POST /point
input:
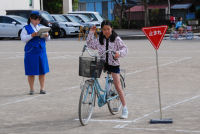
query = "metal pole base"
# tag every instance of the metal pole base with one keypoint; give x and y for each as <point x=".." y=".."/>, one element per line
<point x="161" y="121"/>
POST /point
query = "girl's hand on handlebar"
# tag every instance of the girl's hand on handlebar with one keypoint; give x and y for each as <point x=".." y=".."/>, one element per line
<point x="116" y="55"/>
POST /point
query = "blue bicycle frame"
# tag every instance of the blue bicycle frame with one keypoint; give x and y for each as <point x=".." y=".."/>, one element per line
<point x="102" y="98"/>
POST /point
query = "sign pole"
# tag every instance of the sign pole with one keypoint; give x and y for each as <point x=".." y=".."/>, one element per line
<point x="155" y="35"/>
<point x="161" y="120"/>
<point x="158" y="78"/>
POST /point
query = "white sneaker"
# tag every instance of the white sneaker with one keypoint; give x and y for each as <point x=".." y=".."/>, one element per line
<point x="124" y="113"/>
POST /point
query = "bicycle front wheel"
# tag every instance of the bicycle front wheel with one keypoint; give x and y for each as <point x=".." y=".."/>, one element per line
<point x="114" y="104"/>
<point x="86" y="102"/>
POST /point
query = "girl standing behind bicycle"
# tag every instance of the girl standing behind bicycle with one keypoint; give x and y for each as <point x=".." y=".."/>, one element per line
<point x="109" y="40"/>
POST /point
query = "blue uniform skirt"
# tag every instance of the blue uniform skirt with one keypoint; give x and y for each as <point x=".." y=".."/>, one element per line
<point x="36" y="62"/>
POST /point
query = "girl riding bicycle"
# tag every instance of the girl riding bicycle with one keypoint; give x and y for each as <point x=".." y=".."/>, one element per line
<point x="180" y="26"/>
<point x="109" y="40"/>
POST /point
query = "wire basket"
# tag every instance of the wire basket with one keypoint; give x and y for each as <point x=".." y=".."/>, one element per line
<point x="89" y="67"/>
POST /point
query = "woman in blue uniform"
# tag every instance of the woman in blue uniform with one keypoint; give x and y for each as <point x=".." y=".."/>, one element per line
<point x="35" y="57"/>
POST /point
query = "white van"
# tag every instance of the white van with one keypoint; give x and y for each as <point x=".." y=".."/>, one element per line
<point x="95" y="16"/>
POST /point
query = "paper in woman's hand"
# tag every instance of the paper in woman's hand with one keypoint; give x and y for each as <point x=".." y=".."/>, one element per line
<point x="42" y="31"/>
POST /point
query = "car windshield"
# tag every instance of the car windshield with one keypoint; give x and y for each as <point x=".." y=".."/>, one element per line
<point x="47" y="16"/>
<point x="20" y="19"/>
<point x="73" y="19"/>
<point x="85" y="18"/>
<point x="79" y="19"/>
<point x="93" y="17"/>
<point x="59" y="18"/>
<point x="99" y="17"/>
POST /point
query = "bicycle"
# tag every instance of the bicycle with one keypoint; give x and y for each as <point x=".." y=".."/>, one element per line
<point x="91" y="67"/>
<point x="188" y="34"/>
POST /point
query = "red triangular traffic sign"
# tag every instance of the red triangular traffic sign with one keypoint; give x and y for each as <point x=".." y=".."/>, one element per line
<point x="155" y="34"/>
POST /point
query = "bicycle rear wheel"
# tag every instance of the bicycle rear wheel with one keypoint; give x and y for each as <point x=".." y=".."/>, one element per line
<point x="115" y="105"/>
<point x="86" y="102"/>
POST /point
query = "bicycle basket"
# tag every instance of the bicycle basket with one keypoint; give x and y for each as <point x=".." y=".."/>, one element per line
<point x="88" y="67"/>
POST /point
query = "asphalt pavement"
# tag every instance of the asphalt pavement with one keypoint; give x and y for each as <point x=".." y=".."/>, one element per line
<point x="57" y="111"/>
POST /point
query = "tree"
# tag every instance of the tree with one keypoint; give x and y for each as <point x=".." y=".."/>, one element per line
<point x="75" y="4"/>
<point x="53" y="6"/>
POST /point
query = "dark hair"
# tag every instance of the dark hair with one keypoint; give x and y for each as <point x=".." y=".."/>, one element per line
<point x="101" y="36"/>
<point x="179" y="18"/>
<point x="34" y="17"/>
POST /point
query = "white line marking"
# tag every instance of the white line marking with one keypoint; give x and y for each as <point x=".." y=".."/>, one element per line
<point x="31" y="98"/>
<point x="113" y="121"/>
<point x="162" y="65"/>
<point x="164" y="108"/>
<point x="155" y="129"/>
<point x="144" y="116"/>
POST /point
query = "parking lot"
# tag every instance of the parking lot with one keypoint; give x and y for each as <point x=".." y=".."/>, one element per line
<point x="57" y="111"/>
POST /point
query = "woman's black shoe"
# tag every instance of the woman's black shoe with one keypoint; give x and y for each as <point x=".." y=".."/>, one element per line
<point x="31" y="92"/>
<point x="42" y="92"/>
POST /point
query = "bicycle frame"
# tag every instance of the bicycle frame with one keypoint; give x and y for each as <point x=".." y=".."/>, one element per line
<point x="96" y="85"/>
<point x="98" y="89"/>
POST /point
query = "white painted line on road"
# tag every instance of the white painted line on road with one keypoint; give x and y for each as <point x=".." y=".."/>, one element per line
<point x="169" y="130"/>
<point x="113" y="121"/>
<point x="35" y="96"/>
<point x="20" y="100"/>
<point x="156" y="111"/>
<point x="161" y="65"/>
<point x="144" y="116"/>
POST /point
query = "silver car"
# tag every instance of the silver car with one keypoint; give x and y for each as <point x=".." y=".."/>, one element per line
<point x="67" y="28"/>
<point x="11" y="25"/>
<point x="86" y="21"/>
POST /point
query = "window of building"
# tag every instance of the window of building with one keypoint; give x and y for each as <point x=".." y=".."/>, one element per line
<point x="30" y="3"/>
<point x="82" y="6"/>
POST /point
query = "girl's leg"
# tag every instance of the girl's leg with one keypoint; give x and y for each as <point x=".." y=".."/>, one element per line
<point x="31" y="79"/>
<point x="42" y="80"/>
<point x="117" y="83"/>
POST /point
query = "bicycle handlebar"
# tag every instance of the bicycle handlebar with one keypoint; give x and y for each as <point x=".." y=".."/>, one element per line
<point x="94" y="55"/>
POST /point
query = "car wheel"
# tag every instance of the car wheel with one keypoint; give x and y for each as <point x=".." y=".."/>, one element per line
<point x="62" y="33"/>
<point x="19" y="33"/>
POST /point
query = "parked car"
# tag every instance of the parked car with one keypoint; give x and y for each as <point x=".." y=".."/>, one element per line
<point x="11" y="25"/>
<point x="46" y="20"/>
<point x="67" y="28"/>
<point x="73" y="19"/>
<point x="86" y="21"/>
<point x="94" y="16"/>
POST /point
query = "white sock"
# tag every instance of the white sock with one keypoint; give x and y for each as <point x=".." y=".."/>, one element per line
<point x="124" y="107"/>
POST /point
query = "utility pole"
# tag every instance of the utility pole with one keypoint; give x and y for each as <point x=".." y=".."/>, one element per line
<point x="41" y="6"/>
<point x="146" y="13"/>
<point x="122" y="8"/>
<point x="169" y="7"/>
<point x="169" y="12"/>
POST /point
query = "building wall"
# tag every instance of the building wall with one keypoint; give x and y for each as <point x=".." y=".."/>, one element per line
<point x="96" y="5"/>
<point x="18" y="4"/>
